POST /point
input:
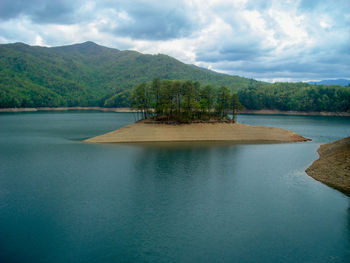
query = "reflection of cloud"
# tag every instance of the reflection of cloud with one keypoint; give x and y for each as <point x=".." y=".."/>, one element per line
<point x="295" y="40"/>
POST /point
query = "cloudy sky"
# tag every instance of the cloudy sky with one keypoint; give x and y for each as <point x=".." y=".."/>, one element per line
<point x="274" y="40"/>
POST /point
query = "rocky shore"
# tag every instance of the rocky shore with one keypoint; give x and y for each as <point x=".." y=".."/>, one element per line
<point x="333" y="166"/>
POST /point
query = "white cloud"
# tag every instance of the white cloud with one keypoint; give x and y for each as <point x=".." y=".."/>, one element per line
<point x="39" y="41"/>
<point x="274" y="39"/>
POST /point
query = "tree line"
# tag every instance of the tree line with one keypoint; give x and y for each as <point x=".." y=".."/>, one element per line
<point x="277" y="96"/>
<point x="184" y="101"/>
<point x="296" y="97"/>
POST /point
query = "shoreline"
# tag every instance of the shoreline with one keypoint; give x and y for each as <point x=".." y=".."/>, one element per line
<point x="142" y="132"/>
<point x="65" y="109"/>
<point x="333" y="165"/>
<point x="304" y="113"/>
<point x="258" y="112"/>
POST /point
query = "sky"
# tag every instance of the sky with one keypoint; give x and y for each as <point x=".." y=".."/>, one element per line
<point x="276" y="40"/>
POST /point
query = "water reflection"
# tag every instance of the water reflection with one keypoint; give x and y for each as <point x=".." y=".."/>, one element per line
<point x="185" y="159"/>
<point x="179" y="192"/>
<point x="161" y="174"/>
<point x="193" y="144"/>
<point x="63" y="201"/>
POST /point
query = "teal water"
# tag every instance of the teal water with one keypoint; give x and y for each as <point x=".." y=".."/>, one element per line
<point x="62" y="200"/>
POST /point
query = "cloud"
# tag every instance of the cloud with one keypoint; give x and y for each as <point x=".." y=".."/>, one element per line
<point x="281" y="40"/>
<point x="39" y="11"/>
<point x="254" y="38"/>
<point x="152" y="20"/>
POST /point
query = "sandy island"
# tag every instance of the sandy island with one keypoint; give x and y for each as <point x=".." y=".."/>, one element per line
<point x="230" y="132"/>
<point x="333" y="166"/>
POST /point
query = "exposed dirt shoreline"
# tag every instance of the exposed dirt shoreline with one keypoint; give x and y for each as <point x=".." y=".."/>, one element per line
<point x="309" y="113"/>
<point x="272" y="112"/>
<point x="65" y="109"/>
<point x="205" y="132"/>
<point x="333" y="166"/>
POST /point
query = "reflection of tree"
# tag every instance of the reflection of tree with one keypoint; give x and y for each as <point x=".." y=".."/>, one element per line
<point x="178" y="161"/>
<point x="163" y="161"/>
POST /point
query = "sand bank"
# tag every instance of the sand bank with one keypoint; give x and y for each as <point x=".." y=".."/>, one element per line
<point x="233" y="132"/>
<point x="333" y="166"/>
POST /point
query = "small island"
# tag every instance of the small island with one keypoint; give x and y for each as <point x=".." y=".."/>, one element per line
<point x="180" y="111"/>
<point x="333" y="166"/>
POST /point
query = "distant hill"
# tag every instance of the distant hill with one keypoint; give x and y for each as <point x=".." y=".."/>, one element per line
<point x="339" y="82"/>
<point x="88" y="74"/>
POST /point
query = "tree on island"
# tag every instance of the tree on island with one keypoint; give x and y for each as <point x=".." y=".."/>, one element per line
<point x="184" y="101"/>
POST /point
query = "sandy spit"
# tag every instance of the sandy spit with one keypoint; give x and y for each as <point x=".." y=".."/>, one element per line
<point x="233" y="132"/>
<point x="333" y="166"/>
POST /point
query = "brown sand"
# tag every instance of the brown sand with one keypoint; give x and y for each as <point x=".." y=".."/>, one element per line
<point x="233" y="132"/>
<point x="333" y="166"/>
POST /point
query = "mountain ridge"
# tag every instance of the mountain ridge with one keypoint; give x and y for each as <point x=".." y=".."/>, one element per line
<point x="85" y="74"/>
<point x="90" y="75"/>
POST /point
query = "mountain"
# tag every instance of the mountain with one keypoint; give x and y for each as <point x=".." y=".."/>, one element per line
<point x="339" y="82"/>
<point x="88" y="74"/>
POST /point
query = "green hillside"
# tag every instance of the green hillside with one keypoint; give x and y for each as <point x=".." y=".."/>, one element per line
<point x="89" y="75"/>
<point x="299" y="96"/>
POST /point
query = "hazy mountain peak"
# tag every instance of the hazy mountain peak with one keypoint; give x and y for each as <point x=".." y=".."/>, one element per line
<point x="84" y="48"/>
<point x="341" y="82"/>
<point x="88" y="43"/>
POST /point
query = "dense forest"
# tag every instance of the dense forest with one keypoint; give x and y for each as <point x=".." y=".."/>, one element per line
<point x="88" y="74"/>
<point x="184" y="101"/>
<point x="91" y="75"/>
<point x="279" y="96"/>
<point x="296" y="97"/>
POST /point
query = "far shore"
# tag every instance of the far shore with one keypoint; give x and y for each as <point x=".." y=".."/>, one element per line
<point x="307" y="113"/>
<point x="262" y="112"/>
<point x="65" y="109"/>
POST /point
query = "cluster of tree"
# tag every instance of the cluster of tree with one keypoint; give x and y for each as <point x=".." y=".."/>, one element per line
<point x="184" y="101"/>
<point x="296" y="97"/>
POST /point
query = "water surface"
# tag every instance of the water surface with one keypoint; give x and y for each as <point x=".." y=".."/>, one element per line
<point x="62" y="200"/>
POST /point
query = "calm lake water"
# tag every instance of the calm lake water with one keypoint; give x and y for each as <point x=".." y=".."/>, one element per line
<point x="62" y="200"/>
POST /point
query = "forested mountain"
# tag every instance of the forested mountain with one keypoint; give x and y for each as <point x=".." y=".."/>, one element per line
<point x="88" y="74"/>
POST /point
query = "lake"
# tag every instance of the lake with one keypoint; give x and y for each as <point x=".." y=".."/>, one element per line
<point x="62" y="200"/>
